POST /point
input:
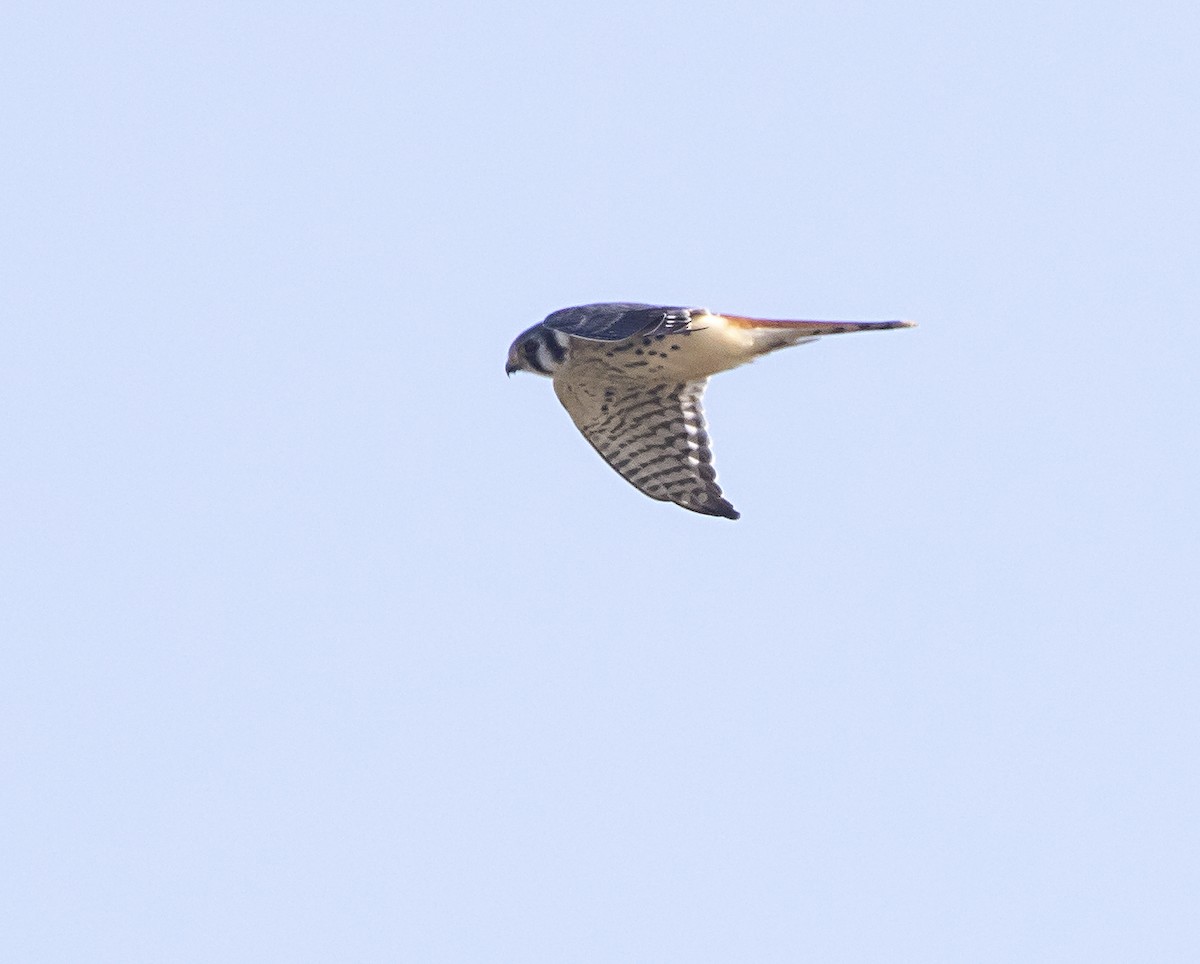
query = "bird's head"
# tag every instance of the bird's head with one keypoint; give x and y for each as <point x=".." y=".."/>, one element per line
<point x="538" y="349"/>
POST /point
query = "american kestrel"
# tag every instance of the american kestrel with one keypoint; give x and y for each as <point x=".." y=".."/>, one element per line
<point x="631" y="377"/>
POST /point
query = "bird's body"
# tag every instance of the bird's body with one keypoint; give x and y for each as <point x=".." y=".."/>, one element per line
<point x="631" y="376"/>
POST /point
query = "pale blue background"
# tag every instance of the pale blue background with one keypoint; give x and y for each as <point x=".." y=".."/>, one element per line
<point x="323" y="641"/>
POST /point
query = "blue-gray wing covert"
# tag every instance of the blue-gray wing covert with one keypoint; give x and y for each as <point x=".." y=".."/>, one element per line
<point x="653" y="435"/>
<point x="617" y="320"/>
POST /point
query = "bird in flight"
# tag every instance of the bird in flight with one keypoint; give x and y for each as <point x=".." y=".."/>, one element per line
<point x="631" y="376"/>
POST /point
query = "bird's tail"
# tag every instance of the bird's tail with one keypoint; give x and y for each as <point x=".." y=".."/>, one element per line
<point x="766" y="335"/>
<point x="813" y="329"/>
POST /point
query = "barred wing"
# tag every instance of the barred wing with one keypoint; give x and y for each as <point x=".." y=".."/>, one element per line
<point x="617" y="320"/>
<point x="652" y="434"/>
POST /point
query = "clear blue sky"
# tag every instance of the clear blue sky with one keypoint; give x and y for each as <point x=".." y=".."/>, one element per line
<point x="324" y="641"/>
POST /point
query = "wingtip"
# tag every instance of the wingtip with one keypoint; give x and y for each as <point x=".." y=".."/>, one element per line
<point x="722" y="510"/>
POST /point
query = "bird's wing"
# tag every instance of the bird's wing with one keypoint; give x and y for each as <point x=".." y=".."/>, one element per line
<point x="614" y="321"/>
<point x="652" y="434"/>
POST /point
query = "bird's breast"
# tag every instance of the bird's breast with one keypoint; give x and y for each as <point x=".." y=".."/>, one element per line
<point x="710" y="344"/>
